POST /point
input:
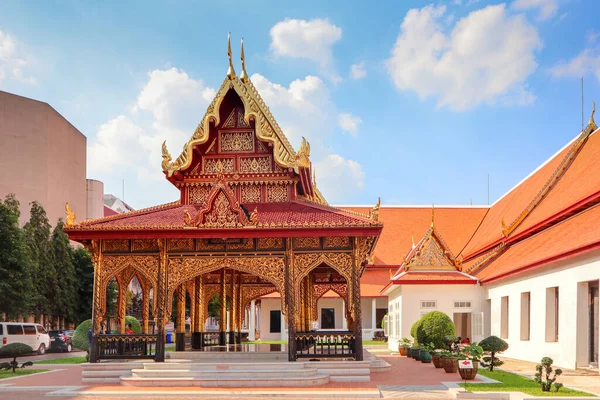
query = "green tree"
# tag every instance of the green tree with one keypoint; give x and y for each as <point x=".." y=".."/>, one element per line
<point x="84" y="284"/>
<point x="15" y="278"/>
<point x="64" y="306"/>
<point x="44" y="277"/>
<point x="433" y="327"/>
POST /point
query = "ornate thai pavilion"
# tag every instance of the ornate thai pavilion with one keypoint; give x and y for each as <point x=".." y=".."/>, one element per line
<point x="250" y="221"/>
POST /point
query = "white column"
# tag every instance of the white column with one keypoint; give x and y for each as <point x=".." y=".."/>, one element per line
<point x="283" y="334"/>
<point x="344" y="321"/>
<point x="373" y="314"/>
<point x="252" y="324"/>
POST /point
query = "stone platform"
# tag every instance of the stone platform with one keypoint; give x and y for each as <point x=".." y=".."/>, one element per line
<point x="233" y="369"/>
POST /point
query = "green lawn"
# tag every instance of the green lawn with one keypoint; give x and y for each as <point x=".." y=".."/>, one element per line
<point x="374" y="343"/>
<point x="170" y="348"/>
<point x="19" y="372"/>
<point x="64" y="360"/>
<point x="516" y="383"/>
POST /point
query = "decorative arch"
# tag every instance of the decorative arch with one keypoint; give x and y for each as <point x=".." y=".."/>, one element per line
<point x="341" y="289"/>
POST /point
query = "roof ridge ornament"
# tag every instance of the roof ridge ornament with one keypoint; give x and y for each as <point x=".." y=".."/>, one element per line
<point x="70" y="216"/>
<point x="230" y="70"/>
<point x="375" y="212"/>
<point x="432" y="215"/>
<point x="244" y="76"/>
<point x="592" y="123"/>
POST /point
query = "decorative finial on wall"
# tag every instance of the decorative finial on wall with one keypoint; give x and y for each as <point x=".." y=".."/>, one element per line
<point x="432" y="215"/>
<point x="244" y="76"/>
<point x="70" y="216"/>
<point x="230" y="71"/>
<point x="592" y="122"/>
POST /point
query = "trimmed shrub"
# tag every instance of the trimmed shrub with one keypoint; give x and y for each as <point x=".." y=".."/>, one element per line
<point x="433" y="327"/>
<point x="493" y="345"/>
<point x="413" y="330"/>
<point x="80" y="337"/>
<point x="135" y="324"/>
<point x="15" y="350"/>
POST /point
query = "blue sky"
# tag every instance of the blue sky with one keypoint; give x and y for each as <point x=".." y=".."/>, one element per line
<point x="441" y="94"/>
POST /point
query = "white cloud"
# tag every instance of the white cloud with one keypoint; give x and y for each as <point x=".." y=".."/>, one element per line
<point x="305" y="39"/>
<point x="586" y="62"/>
<point x="12" y="60"/>
<point x="305" y="109"/>
<point x="546" y="8"/>
<point x="358" y="71"/>
<point x="484" y="59"/>
<point x="168" y="107"/>
<point x="349" y="122"/>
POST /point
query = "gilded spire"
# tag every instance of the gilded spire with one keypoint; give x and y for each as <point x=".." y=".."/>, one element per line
<point x="432" y="215"/>
<point x="244" y="75"/>
<point x="230" y="71"/>
<point x="375" y="211"/>
<point x="413" y="241"/>
<point x="70" y="216"/>
<point x="592" y="122"/>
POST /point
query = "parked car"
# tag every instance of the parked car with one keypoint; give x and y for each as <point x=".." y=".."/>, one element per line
<point x="61" y="340"/>
<point x="28" y="333"/>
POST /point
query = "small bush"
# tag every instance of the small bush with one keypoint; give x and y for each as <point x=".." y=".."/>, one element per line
<point x="492" y="345"/>
<point x="15" y="350"/>
<point x="80" y="337"/>
<point x="433" y="327"/>
<point x="546" y="382"/>
<point x="413" y="330"/>
<point x="135" y="324"/>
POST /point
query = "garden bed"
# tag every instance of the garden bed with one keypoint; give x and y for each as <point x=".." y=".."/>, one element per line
<point x="20" y="372"/>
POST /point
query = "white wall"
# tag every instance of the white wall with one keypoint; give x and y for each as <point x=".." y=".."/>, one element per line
<point x="570" y="277"/>
<point x="406" y="304"/>
<point x="336" y="304"/>
<point x="266" y="305"/>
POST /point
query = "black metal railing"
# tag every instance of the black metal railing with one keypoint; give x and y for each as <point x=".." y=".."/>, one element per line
<point x="210" y="339"/>
<point x="332" y="344"/>
<point x="137" y="346"/>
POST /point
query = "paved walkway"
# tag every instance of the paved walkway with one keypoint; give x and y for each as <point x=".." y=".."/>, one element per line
<point x="407" y="379"/>
<point x="580" y="379"/>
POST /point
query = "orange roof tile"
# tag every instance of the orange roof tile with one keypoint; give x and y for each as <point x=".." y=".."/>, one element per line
<point x="401" y="224"/>
<point x="511" y="205"/>
<point x="570" y="236"/>
<point x="577" y="184"/>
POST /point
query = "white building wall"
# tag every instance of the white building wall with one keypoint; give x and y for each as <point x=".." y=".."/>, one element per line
<point x="405" y="306"/>
<point x="571" y="277"/>
<point x="337" y="305"/>
<point x="266" y="305"/>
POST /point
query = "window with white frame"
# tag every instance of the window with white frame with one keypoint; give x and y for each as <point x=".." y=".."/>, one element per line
<point x="462" y="304"/>
<point x="428" y="303"/>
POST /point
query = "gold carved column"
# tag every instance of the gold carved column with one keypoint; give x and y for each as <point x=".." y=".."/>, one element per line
<point x="180" y="323"/>
<point x="145" y="308"/>
<point x="234" y="307"/>
<point x="223" y="314"/>
<point x="161" y="296"/>
<point x="121" y="305"/>
<point x="199" y="318"/>
<point x="191" y="288"/>
<point x="290" y="298"/>
<point x="99" y="296"/>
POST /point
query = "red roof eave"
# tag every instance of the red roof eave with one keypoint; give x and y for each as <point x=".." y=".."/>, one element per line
<point x="250" y="232"/>
<point x="436" y="282"/>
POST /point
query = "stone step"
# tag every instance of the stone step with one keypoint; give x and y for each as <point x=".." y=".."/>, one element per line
<point x="350" y="378"/>
<point x="338" y="364"/>
<point x="222" y="374"/>
<point x="209" y="366"/>
<point x="300" y="381"/>
<point x="218" y="355"/>
<point x="344" y="372"/>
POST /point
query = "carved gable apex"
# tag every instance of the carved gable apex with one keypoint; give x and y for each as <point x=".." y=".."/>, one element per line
<point x="254" y="107"/>
<point x="220" y="210"/>
<point x="431" y="253"/>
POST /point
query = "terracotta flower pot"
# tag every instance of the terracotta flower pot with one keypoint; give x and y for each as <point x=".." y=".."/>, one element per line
<point x="402" y="350"/>
<point x="437" y="360"/>
<point x="469" y="374"/>
<point x="450" y="365"/>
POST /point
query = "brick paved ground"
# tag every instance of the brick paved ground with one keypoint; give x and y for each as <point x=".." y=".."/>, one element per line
<point x="422" y="378"/>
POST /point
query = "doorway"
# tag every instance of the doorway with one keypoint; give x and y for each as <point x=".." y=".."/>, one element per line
<point x="327" y="318"/>
<point x="593" y="318"/>
<point x="462" y="322"/>
<point x="275" y="321"/>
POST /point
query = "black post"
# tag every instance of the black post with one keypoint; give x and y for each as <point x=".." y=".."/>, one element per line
<point x="180" y="341"/>
<point x="290" y="299"/>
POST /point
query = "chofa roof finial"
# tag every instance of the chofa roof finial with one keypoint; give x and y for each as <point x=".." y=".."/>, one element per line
<point x="592" y="122"/>
<point x="244" y="75"/>
<point x="432" y="215"/>
<point x="230" y="71"/>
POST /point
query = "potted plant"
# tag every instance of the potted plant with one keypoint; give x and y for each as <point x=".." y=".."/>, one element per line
<point x="436" y="358"/>
<point x="403" y="346"/>
<point x="450" y="362"/>
<point x="426" y="351"/>
<point x="492" y="345"/>
<point x="474" y="353"/>
<point x="417" y="353"/>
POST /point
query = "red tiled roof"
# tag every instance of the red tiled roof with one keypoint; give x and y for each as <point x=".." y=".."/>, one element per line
<point x="109" y="211"/>
<point x="567" y="238"/>
<point x="433" y="278"/>
<point x="298" y="214"/>
<point x="401" y="224"/>
<point x="579" y="182"/>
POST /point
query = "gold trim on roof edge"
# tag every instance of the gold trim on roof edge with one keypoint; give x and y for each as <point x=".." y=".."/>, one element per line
<point x="267" y="128"/>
